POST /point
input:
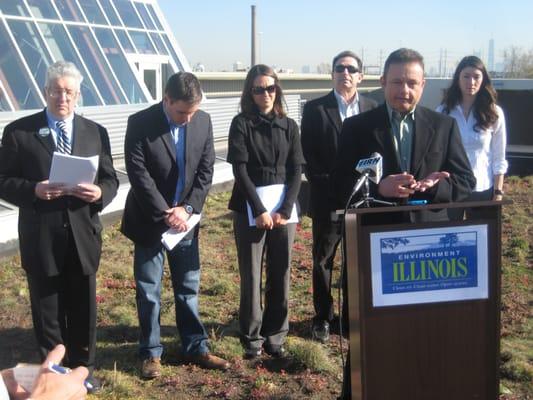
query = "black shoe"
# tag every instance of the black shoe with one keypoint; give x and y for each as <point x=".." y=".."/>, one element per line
<point x="275" y="351"/>
<point x="93" y="384"/>
<point x="251" y="353"/>
<point x="320" y="331"/>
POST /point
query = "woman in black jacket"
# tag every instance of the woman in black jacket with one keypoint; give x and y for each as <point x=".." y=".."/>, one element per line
<point x="264" y="150"/>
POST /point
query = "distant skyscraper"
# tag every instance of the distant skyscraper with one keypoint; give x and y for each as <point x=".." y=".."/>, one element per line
<point x="306" y="69"/>
<point x="491" y="55"/>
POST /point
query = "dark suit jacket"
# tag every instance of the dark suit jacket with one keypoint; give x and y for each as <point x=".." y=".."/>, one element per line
<point x="25" y="160"/>
<point x="321" y="127"/>
<point x="437" y="146"/>
<point x="150" y="156"/>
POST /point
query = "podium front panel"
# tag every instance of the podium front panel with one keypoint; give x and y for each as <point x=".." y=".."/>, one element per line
<point x="434" y="350"/>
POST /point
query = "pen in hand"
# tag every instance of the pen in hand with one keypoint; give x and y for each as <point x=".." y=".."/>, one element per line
<point x="58" y="369"/>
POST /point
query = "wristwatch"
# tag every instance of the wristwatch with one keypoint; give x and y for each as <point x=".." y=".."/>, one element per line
<point x="188" y="209"/>
<point x="499" y="192"/>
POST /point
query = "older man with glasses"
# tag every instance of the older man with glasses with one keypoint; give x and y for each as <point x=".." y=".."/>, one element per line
<point x="321" y="125"/>
<point x="59" y="228"/>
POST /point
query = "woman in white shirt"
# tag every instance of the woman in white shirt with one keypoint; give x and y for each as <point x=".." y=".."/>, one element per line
<point x="471" y="100"/>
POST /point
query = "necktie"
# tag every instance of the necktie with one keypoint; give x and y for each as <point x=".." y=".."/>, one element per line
<point x="63" y="143"/>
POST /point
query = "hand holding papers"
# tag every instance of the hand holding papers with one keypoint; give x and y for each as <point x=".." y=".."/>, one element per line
<point x="172" y="237"/>
<point x="73" y="170"/>
<point x="271" y="196"/>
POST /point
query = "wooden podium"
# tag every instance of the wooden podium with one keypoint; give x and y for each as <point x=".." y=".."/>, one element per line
<point x="433" y="349"/>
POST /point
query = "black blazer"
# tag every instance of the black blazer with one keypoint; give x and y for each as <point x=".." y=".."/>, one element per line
<point x="25" y="160"/>
<point x="437" y="146"/>
<point x="321" y="127"/>
<point x="150" y="156"/>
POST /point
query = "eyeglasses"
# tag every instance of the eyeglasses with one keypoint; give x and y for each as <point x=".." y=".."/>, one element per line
<point x="56" y="93"/>
<point x="340" y="69"/>
<point x="261" y="90"/>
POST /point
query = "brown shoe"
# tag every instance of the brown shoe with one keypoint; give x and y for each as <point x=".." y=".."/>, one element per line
<point x="151" y="368"/>
<point x="207" y="361"/>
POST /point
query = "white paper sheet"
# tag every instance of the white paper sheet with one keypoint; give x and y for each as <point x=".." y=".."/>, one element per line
<point x="271" y="196"/>
<point x="26" y="374"/>
<point x="172" y="237"/>
<point x="73" y="169"/>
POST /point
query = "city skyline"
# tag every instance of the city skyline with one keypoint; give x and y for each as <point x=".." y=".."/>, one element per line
<point x="304" y="34"/>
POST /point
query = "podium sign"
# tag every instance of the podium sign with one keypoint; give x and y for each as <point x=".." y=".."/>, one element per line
<point x="424" y="304"/>
<point x="429" y="265"/>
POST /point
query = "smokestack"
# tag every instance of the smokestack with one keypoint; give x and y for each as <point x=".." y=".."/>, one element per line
<point x="254" y="40"/>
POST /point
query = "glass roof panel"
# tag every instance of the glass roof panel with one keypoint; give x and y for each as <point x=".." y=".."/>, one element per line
<point x="42" y="9"/>
<point x="161" y="49"/>
<point x="120" y="65"/>
<point x="154" y="17"/>
<point x="142" y="42"/>
<point x="95" y="61"/>
<point x="125" y="41"/>
<point x="4" y="104"/>
<point x="62" y="49"/>
<point x="110" y="12"/>
<point x="15" y="80"/>
<point x="32" y="47"/>
<point x="69" y="10"/>
<point x="144" y="16"/>
<point x="92" y="12"/>
<point x="13" y="7"/>
<point x="128" y="14"/>
<point x="172" y="52"/>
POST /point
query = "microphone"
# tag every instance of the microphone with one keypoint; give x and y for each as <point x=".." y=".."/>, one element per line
<point x="369" y="168"/>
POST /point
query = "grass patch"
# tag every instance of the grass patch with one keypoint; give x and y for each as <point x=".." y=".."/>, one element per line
<point x="310" y="354"/>
<point x="312" y="370"/>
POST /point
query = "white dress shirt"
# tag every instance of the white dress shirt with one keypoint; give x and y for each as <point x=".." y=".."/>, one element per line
<point x="347" y="109"/>
<point x="4" y="395"/>
<point x="485" y="149"/>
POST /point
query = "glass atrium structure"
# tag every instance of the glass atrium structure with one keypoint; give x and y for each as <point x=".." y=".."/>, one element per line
<point x="123" y="48"/>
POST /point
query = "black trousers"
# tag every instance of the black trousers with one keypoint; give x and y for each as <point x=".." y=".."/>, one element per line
<point x="263" y="326"/>
<point x="326" y="239"/>
<point x="64" y="311"/>
<point x="457" y="214"/>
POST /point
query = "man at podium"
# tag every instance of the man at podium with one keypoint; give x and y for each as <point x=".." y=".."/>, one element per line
<point x="423" y="156"/>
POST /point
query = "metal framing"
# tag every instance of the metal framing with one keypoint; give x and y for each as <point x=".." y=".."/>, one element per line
<point x="131" y="58"/>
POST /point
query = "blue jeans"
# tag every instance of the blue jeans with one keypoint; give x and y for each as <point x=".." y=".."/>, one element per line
<point x="184" y="264"/>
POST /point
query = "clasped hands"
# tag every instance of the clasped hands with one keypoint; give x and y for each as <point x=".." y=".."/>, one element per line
<point x="176" y="218"/>
<point x="404" y="185"/>
<point x="270" y="221"/>
<point x="87" y="192"/>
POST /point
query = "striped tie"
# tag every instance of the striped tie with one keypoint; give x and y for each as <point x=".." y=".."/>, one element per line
<point x="63" y="144"/>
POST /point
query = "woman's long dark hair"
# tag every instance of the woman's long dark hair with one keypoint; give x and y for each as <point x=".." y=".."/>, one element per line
<point x="248" y="106"/>
<point x="484" y="107"/>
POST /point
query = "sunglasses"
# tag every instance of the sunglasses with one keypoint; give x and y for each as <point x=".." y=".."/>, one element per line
<point x="261" y="90"/>
<point x="340" y="68"/>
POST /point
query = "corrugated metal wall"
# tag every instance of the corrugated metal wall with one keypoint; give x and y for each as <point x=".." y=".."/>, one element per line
<point x="115" y="118"/>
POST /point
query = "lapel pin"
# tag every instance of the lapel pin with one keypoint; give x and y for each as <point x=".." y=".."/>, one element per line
<point x="44" y="132"/>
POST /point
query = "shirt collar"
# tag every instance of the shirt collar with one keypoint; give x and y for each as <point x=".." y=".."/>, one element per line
<point x="341" y="99"/>
<point x="276" y="121"/>
<point x="392" y="113"/>
<point x="53" y="120"/>
<point x="171" y="123"/>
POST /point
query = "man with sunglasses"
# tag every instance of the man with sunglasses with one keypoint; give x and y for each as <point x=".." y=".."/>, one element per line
<point x="321" y="125"/>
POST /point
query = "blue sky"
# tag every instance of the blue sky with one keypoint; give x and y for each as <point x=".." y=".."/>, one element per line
<point x="307" y="32"/>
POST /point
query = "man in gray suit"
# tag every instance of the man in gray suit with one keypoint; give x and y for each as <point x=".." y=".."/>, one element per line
<point x="321" y="126"/>
<point x="59" y="228"/>
<point x="169" y="156"/>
